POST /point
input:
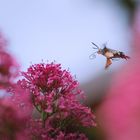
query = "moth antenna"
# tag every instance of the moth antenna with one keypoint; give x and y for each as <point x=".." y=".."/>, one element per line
<point x="105" y="44"/>
<point x="97" y="47"/>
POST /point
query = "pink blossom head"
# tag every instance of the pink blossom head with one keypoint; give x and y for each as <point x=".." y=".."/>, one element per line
<point x="48" y="82"/>
<point x="49" y="78"/>
<point x="54" y="95"/>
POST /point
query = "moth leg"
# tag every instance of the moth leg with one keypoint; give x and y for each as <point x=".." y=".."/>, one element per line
<point x="108" y="63"/>
<point x="115" y="59"/>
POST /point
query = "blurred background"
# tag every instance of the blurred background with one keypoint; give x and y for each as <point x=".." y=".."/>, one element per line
<point x="62" y="31"/>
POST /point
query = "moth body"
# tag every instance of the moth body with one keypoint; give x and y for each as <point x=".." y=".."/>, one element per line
<point x="110" y="54"/>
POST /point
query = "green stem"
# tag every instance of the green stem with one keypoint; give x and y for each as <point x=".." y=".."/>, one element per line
<point x="44" y="117"/>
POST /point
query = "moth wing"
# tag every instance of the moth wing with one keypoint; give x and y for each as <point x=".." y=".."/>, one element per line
<point x="108" y="63"/>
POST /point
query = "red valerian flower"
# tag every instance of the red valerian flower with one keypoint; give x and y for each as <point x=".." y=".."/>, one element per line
<point x="12" y="121"/>
<point x="13" y="117"/>
<point x="8" y="65"/>
<point x="54" y="94"/>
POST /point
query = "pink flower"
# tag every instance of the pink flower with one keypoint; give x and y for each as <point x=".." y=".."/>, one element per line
<point x="8" y="65"/>
<point x="13" y="117"/>
<point x="54" y="95"/>
<point x="12" y="121"/>
<point x="120" y="112"/>
<point x="47" y="83"/>
<point x="80" y="115"/>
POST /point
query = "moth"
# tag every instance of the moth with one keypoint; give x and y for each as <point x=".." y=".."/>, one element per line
<point x="110" y="54"/>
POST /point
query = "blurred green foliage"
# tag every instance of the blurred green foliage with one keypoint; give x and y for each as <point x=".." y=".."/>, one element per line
<point x="130" y="6"/>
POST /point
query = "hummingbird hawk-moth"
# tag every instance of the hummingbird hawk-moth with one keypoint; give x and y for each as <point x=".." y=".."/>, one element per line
<point x="110" y="54"/>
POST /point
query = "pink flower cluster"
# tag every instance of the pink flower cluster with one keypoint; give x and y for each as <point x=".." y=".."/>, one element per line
<point x="13" y="118"/>
<point x="12" y="121"/>
<point x="43" y="105"/>
<point x="54" y="94"/>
